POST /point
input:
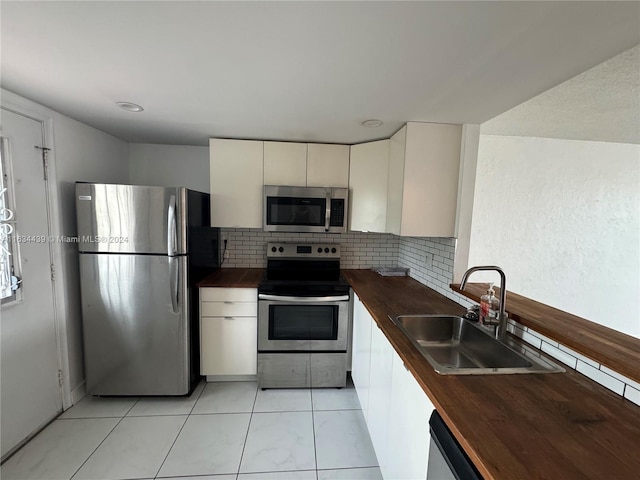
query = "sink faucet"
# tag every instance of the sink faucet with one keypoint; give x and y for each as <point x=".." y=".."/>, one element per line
<point x="501" y="329"/>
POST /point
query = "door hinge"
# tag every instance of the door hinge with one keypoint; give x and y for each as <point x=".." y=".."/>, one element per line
<point x="45" y="161"/>
<point x="53" y="272"/>
<point x="60" y="378"/>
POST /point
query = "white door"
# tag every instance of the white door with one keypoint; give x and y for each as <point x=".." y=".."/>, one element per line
<point x="30" y="392"/>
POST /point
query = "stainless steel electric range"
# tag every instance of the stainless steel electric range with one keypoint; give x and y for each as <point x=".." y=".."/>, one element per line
<point x="303" y="317"/>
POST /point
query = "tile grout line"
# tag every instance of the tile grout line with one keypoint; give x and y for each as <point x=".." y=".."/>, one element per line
<point x="246" y="437"/>
<point x="179" y="432"/>
<point x="171" y="447"/>
<point x="313" y="429"/>
<point x="103" y="440"/>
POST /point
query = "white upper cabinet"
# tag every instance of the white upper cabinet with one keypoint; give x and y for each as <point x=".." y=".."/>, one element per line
<point x="327" y="165"/>
<point x="395" y="176"/>
<point x="368" y="178"/>
<point x="236" y="183"/>
<point x="424" y="161"/>
<point x="285" y="163"/>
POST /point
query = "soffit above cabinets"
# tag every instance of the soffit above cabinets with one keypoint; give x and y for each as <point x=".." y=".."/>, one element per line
<point x="299" y="71"/>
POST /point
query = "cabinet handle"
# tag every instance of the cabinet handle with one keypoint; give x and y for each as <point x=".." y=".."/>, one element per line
<point x="229" y="318"/>
<point x="228" y="303"/>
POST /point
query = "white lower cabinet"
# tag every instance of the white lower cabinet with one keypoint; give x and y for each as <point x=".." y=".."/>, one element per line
<point x="396" y="408"/>
<point x="228" y="331"/>
<point x="409" y="436"/>
<point x="361" y="353"/>
<point x="380" y="396"/>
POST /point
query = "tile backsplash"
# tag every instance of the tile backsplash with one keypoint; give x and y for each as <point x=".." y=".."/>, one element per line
<point x="247" y="247"/>
<point x="430" y="261"/>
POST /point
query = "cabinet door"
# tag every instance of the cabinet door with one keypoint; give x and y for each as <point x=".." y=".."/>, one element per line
<point x="408" y="426"/>
<point x="285" y="163"/>
<point x="380" y="396"/>
<point x="327" y="165"/>
<point x="368" y="178"/>
<point x="431" y="171"/>
<point x="361" y="348"/>
<point x="395" y="181"/>
<point x="228" y="346"/>
<point x="236" y="183"/>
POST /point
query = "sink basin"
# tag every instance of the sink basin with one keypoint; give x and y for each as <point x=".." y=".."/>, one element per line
<point x="456" y="346"/>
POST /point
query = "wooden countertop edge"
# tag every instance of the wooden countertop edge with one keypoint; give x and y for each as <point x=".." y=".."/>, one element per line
<point x="403" y="348"/>
<point x="232" y="278"/>
<point x="492" y="464"/>
<point x="615" y="350"/>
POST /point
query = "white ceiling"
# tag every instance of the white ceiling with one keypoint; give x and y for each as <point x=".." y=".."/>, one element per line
<point x="308" y="71"/>
<point x="601" y="104"/>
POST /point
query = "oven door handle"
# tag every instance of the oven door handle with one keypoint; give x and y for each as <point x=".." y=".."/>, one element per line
<point x="282" y="298"/>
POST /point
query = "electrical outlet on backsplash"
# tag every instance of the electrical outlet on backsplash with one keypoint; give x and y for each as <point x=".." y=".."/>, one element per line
<point x="430" y="261"/>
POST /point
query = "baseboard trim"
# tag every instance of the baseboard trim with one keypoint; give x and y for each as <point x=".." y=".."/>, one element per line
<point x="231" y="378"/>
<point x="78" y="393"/>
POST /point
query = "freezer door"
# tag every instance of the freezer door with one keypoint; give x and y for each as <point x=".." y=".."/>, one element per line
<point x="131" y="219"/>
<point x="135" y="324"/>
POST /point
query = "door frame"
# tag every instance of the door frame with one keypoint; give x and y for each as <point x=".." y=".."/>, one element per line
<point x="22" y="106"/>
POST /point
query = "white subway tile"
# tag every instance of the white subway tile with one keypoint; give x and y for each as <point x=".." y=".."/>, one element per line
<point x="579" y="356"/>
<point x="543" y="337"/>
<point x="558" y="354"/>
<point x="620" y="377"/>
<point x="527" y="337"/>
<point x="632" y="394"/>
<point x="600" y="377"/>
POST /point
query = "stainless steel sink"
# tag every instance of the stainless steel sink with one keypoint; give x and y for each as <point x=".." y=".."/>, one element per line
<point x="456" y="346"/>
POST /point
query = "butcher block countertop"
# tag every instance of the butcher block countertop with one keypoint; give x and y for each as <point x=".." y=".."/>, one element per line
<point x="531" y="426"/>
<point x="616" y="350"/>
<point x="233" y="278"/>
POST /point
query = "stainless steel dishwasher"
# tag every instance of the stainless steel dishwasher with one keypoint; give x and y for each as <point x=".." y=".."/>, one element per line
<point x="447" y="460"/>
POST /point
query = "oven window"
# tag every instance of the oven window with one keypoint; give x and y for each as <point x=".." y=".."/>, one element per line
<point x="303" y="322"/>
<point x="296" y="211"/>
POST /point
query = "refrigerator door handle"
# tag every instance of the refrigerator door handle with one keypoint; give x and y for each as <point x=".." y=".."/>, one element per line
<point x="172" y="233"/>
<point x="174" y="286"/>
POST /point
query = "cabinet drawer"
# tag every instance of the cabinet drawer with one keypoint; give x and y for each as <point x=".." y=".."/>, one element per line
<point x="229" y="309"/>
<point x="228" y="346"/>
<point x="228" y="294"/>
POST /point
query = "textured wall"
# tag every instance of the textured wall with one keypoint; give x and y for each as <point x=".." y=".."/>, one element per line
<point x="561" y="217"/>
<point x="248" y="247"/>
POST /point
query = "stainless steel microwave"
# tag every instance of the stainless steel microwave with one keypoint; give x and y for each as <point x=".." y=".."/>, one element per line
<point x="305" y="209"/>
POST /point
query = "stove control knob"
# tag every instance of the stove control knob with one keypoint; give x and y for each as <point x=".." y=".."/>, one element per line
<point x="273" y="249"/>
<point x="319" y="249"/>
<point x="326" y="250"/>
<point x="281" y="249"/>
<point x="333" y="250"/>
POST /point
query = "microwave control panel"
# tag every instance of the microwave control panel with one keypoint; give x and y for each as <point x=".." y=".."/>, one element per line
<point x="337" y="212"/>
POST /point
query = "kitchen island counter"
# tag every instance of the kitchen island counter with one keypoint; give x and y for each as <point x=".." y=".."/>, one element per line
<point x="531" y="426"/>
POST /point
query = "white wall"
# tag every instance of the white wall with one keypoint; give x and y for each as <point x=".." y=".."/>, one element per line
<point x="82" y="153"/>
<point x="79" y="153"/>
<point x="169" y="166"/>
<point x="561" y="217"/>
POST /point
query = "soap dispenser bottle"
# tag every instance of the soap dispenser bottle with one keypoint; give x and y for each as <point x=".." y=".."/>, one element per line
<point x="489" y="307"/>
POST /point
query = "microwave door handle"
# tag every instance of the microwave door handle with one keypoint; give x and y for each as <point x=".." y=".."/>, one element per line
<point x="327" y="218"/>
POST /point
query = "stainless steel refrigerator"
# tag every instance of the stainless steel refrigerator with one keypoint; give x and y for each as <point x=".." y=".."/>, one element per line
<point x="142" y="249"/>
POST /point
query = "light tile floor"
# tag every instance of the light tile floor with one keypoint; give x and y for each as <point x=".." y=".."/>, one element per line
<point x="223" y="431"/>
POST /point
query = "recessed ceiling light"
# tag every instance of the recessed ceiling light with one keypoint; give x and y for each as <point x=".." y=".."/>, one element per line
<point x="372" y="123"/>
<point x="130" y="107"/>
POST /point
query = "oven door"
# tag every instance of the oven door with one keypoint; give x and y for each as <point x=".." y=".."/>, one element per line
<point x="302" y="324"/>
